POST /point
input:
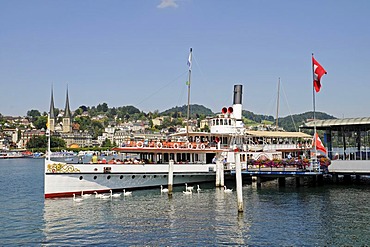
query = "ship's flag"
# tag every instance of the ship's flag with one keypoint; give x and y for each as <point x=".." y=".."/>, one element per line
<point x="319" y="145"/>
<point x="190" y="58"/>
<point x="318" y="72"/>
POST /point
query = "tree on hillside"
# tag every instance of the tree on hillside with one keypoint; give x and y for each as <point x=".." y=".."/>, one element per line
<point x="33" y="114"/>
<point x="42" y="142"/>
<point x="40" y="122"/>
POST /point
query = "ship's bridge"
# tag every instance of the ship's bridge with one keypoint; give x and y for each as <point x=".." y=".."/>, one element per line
<point x="223" y="125"/>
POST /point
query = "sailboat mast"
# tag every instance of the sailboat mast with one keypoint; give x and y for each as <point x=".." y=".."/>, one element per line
<point x="189" y="81"/>
<point x="277" y="106"/>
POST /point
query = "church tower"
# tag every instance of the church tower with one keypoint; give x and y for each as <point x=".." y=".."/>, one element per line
<point x="67" y="117"/>
<point x="52" y="113"/>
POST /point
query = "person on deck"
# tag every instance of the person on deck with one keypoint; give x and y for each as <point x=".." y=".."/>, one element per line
<point x="94" y="158"/>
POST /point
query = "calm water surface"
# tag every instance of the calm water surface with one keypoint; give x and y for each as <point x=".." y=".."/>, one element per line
<point x="306" y="216"/>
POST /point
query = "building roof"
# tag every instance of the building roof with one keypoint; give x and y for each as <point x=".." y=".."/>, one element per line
<point x="336" y="122"/>
<point x="282" y="134"/>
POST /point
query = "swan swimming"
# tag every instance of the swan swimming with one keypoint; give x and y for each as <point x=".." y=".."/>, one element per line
<point x="126" y="193"/>
<point x="165" y="190"/>
<point x="85" y="195"/>
<point x="188" y="192"/>
<point x="226" y="190"/>
<point x="97" y="195"/>
<point x="188" y="188"/>
<point x="105" y="196"/>
<point x="198" y="189"/>
<point x="115" y="194"/>
<point x="77" y="199"/>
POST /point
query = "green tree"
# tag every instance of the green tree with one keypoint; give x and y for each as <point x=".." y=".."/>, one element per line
<point x="33" y="114"/>
<point x="106" y="143"/>
<point x="42" y="142"/>
<point x="40" y="122"/>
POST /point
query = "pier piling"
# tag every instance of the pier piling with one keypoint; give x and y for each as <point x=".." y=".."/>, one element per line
<point x="239" y="184"/>
<point x="170" y="178"/>
<point x="219" y="173"/>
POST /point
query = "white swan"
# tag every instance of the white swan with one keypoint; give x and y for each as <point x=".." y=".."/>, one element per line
<point x="85" y="195"/>
<point x="105" y="196"/>
<point x="115" y="194"/>
<point x="126" y="193"/>
<point x="97" y="195"/>
<point x="226" y="190"/>
<point x="188" y="188"/>
<point x="188" y="192"/>
<point x="165" y="190"/>
<point x="198" y="189"/>
<point x="77" y="199"/>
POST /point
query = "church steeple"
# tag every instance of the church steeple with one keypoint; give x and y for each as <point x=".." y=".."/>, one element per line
<point x="67" y="118"/>
<point x="52" y="112"/>
<point x="52" y="108"/>
<point x="67" y="110"/>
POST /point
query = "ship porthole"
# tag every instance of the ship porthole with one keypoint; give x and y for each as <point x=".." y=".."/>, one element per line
<point x="183" y="176"/>
<point x="108" y="177"/>
<point x="81" y="177"/>
<point x="154" y="176"/>
<point x="95" y="177"/>
<point x="133" y="176"/>
<point x="121" y="177"/>
<point x="164" y="176"/>
<point x="144" y="176"/>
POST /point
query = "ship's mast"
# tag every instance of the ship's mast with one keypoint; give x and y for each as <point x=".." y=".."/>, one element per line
<point x="277" y="106"/>
<point x="188" y="82"/>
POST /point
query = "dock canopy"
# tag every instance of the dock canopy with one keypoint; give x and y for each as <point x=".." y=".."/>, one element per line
<point x="337" y="124"/>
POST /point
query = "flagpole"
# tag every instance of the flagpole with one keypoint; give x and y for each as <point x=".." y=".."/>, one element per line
<point x="314" y="112"/>
<point x="189" y="78"/>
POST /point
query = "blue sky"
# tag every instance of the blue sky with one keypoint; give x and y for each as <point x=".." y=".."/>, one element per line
<point x="135" y="53"/>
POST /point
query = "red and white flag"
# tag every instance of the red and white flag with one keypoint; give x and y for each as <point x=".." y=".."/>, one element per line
<point x="318" y="72"/>
<point x="319" y="145"/>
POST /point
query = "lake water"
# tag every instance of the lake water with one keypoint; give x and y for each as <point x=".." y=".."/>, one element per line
<point x="306" y="216"/>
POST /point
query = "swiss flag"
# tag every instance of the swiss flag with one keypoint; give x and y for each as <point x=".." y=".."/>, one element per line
<point x="318" y="72"/>
<point x="318" y="143"/>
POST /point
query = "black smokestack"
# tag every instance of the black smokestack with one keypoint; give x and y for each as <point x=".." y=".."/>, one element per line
<point x="238" y="94"/>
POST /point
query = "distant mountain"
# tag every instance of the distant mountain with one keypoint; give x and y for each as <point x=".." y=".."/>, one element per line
<point x="182" y="111"/>
<point x="256" y="117"/>
<point x="288" y="124"/>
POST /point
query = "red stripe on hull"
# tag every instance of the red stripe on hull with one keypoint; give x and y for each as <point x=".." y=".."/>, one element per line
<point x="70" y="194"/>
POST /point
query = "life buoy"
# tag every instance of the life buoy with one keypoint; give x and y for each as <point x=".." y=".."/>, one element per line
<point x="202" y="146"/>
<point x="176" y="145"/>
<point x="159" y="145"/>
<point x="139" y="144"/>
<point x="190" y="146"/>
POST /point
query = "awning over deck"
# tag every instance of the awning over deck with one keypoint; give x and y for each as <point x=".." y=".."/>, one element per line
<point x="277" y="134"/>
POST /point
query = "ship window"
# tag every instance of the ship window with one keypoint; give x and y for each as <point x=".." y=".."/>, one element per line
<point x="95" y="177"/>
<point x="108" y="177"/>
<point x="133" y="176"/>
<point x="120" y="177"/>
<point x="81" y="177"/>
<point x="217" y="122"/>
<point x="164" y="176"/>
<point x="154" y="176"/>
<point x="144" y="176"/>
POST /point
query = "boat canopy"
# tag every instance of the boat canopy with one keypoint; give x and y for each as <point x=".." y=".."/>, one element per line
<point x="276" y="134"/>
